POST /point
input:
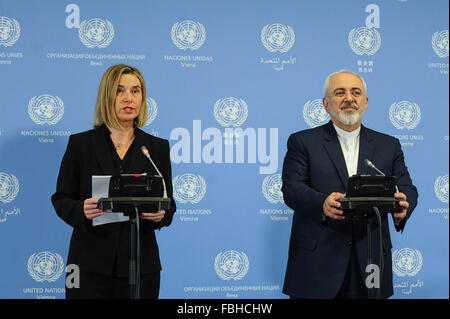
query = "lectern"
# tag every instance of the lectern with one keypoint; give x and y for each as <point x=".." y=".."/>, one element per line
<point x="367" y="195"/>
<point x="133" y="194"/>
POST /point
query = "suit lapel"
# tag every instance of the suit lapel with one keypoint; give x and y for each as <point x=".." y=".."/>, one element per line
<point x="366" y="150"/>
<point x="139" y="161"/>
<point x="102" y="151"/>
<point x="334" y="151"/>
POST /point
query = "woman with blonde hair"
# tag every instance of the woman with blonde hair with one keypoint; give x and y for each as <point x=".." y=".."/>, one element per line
<point x="102" y="252"/>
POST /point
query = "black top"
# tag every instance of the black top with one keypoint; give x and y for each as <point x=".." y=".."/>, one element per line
<point x="122" y="165"/>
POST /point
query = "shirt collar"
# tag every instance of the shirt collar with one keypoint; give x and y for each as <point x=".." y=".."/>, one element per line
<point x="347" y="135"/>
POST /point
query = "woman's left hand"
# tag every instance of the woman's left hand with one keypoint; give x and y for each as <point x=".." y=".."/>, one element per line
<point x="154" y="217"/>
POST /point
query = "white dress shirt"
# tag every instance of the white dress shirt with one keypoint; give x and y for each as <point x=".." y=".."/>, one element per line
<point x="350" y="147"/>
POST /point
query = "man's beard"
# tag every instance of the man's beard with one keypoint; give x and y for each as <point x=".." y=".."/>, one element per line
<point x="347" y="117"/>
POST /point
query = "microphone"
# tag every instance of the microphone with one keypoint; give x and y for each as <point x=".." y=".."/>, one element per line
<point x="147" y="154"/>
<point x="370" y="164"/>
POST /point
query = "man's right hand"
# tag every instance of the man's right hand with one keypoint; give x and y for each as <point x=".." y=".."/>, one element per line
<point x="332" y="208"/>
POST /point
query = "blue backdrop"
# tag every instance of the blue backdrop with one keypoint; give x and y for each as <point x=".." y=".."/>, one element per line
<point x="228" y="82"/>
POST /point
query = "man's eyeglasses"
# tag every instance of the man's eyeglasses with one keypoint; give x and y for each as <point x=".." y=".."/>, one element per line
<point x="342" y="92"/>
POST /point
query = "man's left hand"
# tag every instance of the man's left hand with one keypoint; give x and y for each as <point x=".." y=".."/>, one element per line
<point x="403" y="203"/>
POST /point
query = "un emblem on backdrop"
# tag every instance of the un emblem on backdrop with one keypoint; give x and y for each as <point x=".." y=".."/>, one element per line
<point x="231" y="265"/>
<point x="189" y="188"/>
<point x="441" y="188"/>
<point x="277" y="37"/>
<point x="152" y="109"/>
<point x="439" y="42"/>
<point x="46" y="109"/>
<point x="45" y="266"/>
<point x="9" y="31"/>
<point x="9" y="187"/>
<point x="404" y="114"/>
<point x="271" y="188"/>
<point x="314" y="113"/>
<point x="188" y="35"/>
<point x="406" y="262"/>
<point x="230" y="111"/>
<point x="96" y="33"/>
<point x="364" y="40"/>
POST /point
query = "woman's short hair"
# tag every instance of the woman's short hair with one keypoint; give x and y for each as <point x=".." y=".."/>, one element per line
<point x="104" y="107"/>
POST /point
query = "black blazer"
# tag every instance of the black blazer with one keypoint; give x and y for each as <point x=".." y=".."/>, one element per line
<point x="320" y="247"/>
<point x="105" y="249"/>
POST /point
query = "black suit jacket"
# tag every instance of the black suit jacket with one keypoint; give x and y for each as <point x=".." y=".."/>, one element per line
<point x="319" y="249"/>
<point x="105" y="249"/>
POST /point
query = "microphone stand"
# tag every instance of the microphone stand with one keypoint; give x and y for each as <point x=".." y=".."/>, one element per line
<point x="134" y="267"/>
<point x="369" y="249"/>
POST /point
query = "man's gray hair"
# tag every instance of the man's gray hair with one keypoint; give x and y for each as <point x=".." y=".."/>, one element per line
<point x="326" y="86"/>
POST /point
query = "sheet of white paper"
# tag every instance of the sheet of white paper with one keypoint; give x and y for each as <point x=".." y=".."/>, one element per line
<point x="100" y="189"/>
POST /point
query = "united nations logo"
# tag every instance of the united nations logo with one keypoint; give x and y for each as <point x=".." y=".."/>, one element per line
<point x="9" y="187"/>
<point x="189" y="188"/>
<point x="406" y="262"/>
<point x="9" y="31"/>
<point x="231" y="265"/>
<point x="439" y="42"/>
<point x="314" y="113"/>
<point x="277" y="37"/>
<point x="271" y="188"/>
<point x="188" y="35"/>
<point x="230" y="111"/>
<point x="404" y="114"/>
<point x="46" y="109"/>
<point x="364" y="40"/>
<point x="441" y="188"/>
<point x="152" y="110"/>
<point x="96" y="33"/>
<point x="45" y="266"/>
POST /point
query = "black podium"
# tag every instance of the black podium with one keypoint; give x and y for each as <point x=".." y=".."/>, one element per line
<point x="134" y="207"/>
<point x="363" y="205"/>
<point x="367" y="195"/>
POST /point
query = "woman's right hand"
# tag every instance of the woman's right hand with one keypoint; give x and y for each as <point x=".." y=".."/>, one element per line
<point x="90" y="208"/>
